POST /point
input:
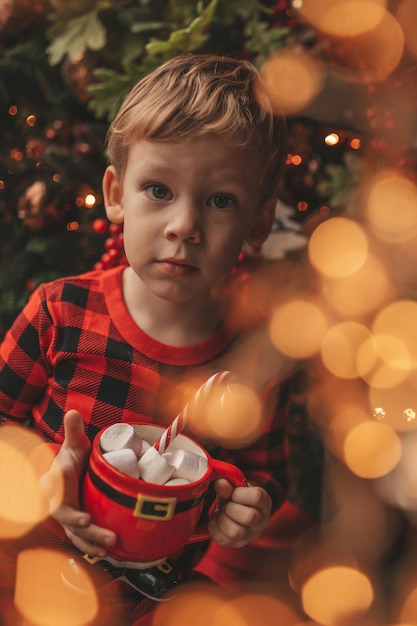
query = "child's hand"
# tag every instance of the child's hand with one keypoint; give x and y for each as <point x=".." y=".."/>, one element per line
<point x="244" y="513"/>
<point x="68" y="468"/>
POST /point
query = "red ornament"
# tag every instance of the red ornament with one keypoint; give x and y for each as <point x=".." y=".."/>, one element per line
<point x="100" y="226"/>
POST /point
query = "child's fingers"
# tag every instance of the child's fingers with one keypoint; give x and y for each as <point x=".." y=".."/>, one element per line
<point x="75" y="436"/>
<point x="93" y="540"/>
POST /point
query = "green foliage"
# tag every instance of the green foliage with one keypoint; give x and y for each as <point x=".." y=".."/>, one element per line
<point x="341" y="179"/>
<point x="82" y="33"/>
<point x="132" y="38"/>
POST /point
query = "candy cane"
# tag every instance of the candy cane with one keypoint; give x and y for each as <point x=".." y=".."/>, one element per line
<point x="179" y="422"/>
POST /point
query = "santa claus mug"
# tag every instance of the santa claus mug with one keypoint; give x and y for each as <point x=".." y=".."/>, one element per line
<point x="152" y="522"/>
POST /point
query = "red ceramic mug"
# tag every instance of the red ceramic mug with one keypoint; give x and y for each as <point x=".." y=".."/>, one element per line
<point x="151" y="521"/>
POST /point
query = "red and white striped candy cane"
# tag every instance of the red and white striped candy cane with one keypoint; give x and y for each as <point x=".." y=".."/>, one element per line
<point x="179" y="422"/>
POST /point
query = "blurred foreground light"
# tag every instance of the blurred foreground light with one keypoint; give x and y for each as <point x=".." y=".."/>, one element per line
<point x="292" y="80"/>
<point x="392" y="208"/>
<point x="51" y="590"/>
<point x="383" y="361"/>
<point x="256" y="609"/>
<point x="398" y="319"/>
<point x="232" y="416"/>
<point x="340" y="346"/>
<point x="372" y="449"/>
<point x="22" y="503"/>
<point x="400" y="487"/>
<point x="336" y="593"/>
<point x="344" y="18"/>
<point x="406" y="15"/>
<point x="195" y="603"/>
<point x="297" y="328"/>
<point x="338" y="247"/>
<point x="361" y="292"/>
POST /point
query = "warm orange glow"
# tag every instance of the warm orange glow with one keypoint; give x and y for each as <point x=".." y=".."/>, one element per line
<point x="338" y="247"/>
<point x="398" y="319"/>
<point x="22" y="503"/>
<point x="341" y="17"/>
<point x="255" y="609"/>
<point x="233" y="415"/>
<point x="392" y="208"/>
<point x="406" y="15"/>
<point x="355" y="144"/>
<point x="196" y="603"/>
<point x="340" y="346"/>
<point x="409" y="608"/>
<point x="297" y="328"/>
<point x="373" y="55"/>
<point x="383" y="361"/>
<point x="52" y="590"/>
<point x="292" y="79"/>
<point x="346" y="416"/>
<point x="336" y="592"/>
<point x="372" y="449"/>
<point x="360" y="293"/>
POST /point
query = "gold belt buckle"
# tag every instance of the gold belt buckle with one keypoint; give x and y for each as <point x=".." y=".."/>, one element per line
<point x="148" y="507"/>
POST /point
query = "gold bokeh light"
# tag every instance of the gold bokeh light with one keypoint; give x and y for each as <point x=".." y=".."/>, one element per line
<point x="297" y="328"/>
<point x="383" y="361"/>
<point x="22" y="502"/>
<point x="233" y="415"/>
<point x="392" y="208"/>
<point x="52" y="590"/>
<point x="256" y="609"/>
<point x="372" y="449"/>
<point x="338" y="247"/>
<point x="340" y="346"/>
<point x="343" y="17"/>
<point x="361" y="292"/>
<point x="398" y="319"/>
<point x="335" y="593"/>
<point x="292" y="80"/>
<point x="406" y="15"/>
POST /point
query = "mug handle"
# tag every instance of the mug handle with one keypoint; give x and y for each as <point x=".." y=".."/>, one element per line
<point x="235" y="476"/>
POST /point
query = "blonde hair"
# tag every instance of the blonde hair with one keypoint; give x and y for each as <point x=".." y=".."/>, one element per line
<point x="200" y="94"/>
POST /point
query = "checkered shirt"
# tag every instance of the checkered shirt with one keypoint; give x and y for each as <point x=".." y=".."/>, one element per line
<point x="75" y="346"/>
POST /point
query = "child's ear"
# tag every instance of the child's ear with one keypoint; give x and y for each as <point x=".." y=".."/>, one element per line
<point x="113" y="195"/>
<point x="262" y="224"/>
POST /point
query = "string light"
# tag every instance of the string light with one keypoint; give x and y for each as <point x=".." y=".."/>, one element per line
<point x="31" y="120"/>
<point x="332" y="139"/>
<point x="90" y="200"/>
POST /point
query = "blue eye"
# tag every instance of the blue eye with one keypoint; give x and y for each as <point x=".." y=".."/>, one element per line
<point x="221" y="201"/>
<point x="158" y="192"/>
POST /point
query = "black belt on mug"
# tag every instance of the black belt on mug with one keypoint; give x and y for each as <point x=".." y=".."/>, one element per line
<point x="147" y="507"/>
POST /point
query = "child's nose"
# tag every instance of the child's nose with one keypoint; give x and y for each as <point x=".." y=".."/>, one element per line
<point x="184" y="223"/>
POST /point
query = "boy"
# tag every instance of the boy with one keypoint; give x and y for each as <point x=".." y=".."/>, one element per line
<point x="194" y="158"/>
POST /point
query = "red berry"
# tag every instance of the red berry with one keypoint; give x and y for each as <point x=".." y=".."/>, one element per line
<point x="100" y="225"/>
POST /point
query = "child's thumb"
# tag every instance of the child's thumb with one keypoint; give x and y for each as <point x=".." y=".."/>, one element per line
<point x="75" y="436"/>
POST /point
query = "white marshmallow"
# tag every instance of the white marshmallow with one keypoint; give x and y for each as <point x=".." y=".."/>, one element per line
<point x="188" y="465"/>
<point x="145" y="446"/>
<point x="173" y="482"/>
<point x="119" y="437"/>
<point x="124" y="460"/>
<point x="154" y="468"/>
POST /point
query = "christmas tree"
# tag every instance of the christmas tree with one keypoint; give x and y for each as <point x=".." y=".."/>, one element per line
<point x="66" y="66"/>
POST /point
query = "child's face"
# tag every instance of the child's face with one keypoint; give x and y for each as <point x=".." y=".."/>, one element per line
<point x="187" y="209"/>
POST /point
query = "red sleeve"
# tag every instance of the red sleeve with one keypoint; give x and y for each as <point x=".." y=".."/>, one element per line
<point x="24" y="367"/>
